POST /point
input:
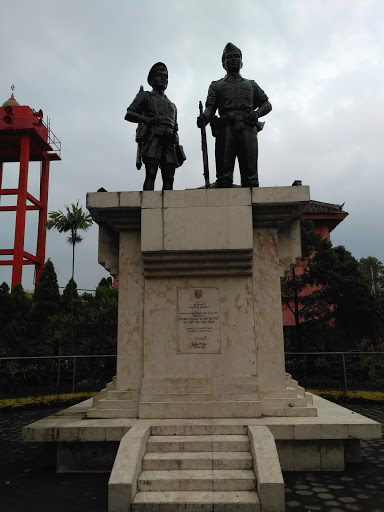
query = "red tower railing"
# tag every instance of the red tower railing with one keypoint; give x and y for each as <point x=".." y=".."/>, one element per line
<point x="24" y="137"/>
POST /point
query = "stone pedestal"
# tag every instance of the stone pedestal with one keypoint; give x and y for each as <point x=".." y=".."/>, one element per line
<point x="200" y="324"/>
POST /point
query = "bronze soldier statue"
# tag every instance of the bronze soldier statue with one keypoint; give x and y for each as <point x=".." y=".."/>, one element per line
<point x="240" y="103"/>
<point x="156" y="134"/>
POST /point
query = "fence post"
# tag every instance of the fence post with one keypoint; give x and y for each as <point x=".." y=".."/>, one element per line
<point x="344" y="372"/>
<point x="73" y="374"/>
<point x="58" y="368"/>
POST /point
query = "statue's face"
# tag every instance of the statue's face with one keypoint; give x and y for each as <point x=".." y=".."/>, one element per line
<point x="233" y="62"/>
<point x="160" y="79"/>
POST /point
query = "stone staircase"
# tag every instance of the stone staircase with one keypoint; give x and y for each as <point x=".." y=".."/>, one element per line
<point x="292" y="401"/>
<point x="110" y="403"/>
<point x="194" y="470"/>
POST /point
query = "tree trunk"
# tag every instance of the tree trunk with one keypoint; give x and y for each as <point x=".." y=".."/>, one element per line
<point x="299" y="339"/>
<point x="73" y="261"/>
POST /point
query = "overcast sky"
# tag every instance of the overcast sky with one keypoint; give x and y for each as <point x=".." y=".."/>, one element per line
<point x="83" y="61"/>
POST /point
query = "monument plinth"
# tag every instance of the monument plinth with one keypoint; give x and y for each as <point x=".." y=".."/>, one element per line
<point x="200" y="325"/>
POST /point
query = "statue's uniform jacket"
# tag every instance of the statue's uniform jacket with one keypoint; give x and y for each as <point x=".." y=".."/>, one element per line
<point x="235" y="98"/>
<point x="160" y="140"/>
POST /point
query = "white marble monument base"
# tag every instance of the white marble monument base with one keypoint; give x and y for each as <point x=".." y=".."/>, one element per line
<point x="200" y="323"/>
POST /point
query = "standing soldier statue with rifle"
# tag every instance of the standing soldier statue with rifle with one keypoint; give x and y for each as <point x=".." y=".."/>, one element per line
<point x="240" y="103"/>
<point x="156" y="135"/>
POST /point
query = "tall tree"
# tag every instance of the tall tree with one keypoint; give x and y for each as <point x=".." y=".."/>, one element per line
<point x="298" y="294"/>
<point x="16" y="335"/>
<point x="71" y="222"/>
<point x="46" y="298"/>
<point x="328" y="287"/>
<point x="355" y="308"/>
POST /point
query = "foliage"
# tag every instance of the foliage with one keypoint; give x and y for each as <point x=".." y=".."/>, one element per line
<point x="16" y="321"/>
<point x="46" y="297"/>
<point x="106" y="281"/>
<point x="328" y="289"/>
<point x="85" y="324"/>
<point x="70" y="300"/>
<point x="307" y="304"/>
<point x="343" y="396"/>
<point x="70" y="222"/>
<point x="101" y="321"/>
<point x="373" y="272"/>
<point x="5" y="311"/>
<point x="47" y="400"/>
<point x="354" y="307"/>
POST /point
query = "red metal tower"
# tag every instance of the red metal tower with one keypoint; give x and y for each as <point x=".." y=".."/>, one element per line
<point x="24" y="138"/>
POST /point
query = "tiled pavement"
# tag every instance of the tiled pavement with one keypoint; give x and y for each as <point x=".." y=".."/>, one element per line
<point x="360" y="487"/>
<point x="28" y="481"/>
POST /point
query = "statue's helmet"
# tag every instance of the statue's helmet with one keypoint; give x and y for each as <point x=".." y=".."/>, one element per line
<point x="229" y="47"/>
<point x="153" y="69"/>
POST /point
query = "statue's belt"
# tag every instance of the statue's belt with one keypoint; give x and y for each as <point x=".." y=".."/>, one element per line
<point x="162" y="130"/>
<point x="235" y="119"/>
<point x="232" y="118"/>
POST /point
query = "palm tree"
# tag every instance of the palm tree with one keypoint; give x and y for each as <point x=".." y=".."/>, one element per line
<point x="71" y="222"/>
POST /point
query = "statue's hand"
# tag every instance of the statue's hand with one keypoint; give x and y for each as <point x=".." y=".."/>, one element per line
<point x="201" y="121"/>
<point x="253" y="117"/>
<point x="154" y="121"/>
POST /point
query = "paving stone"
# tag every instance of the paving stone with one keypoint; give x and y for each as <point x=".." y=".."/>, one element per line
<point x="325" y="496"/>
<point x="347" y="499"/>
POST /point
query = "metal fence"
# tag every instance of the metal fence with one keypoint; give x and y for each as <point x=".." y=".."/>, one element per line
<point x="33" y="376"/>
<point x="337" y="370"/>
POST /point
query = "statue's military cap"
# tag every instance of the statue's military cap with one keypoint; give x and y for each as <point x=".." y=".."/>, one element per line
<point x="229" y="47"/>
<point x="153" y="70"/>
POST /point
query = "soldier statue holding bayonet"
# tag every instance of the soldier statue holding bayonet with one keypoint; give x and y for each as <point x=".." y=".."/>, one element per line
<point x="240" y="103"/>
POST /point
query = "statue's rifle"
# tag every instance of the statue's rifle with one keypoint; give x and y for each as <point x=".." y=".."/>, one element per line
<point x="204" y="147"/>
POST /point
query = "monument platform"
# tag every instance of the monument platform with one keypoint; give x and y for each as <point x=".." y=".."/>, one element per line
<point x="202" y="458"/>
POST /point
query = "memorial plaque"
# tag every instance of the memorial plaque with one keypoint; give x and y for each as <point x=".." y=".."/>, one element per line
<point x="199" y="320"/>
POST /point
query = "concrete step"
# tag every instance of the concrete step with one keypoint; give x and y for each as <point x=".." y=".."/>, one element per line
<point x="200" y="385"/>
<point x="191" y="501"/>
<point x="123" y="395"/>
<point x="309" y="398"/>
<point x="198" y="429"/>
<point x="200" y="410"/>
<point x="300" y="412"/>
<point x="117" y="404"/>
<point x="111" y="385"/>
<point x="203" y="443"/>
<point x="197" y="460"/>
<point x="278" y="393"/>
<point x="197" y="480"/>
<point x="198" y="397"/>
<point x="283" y="402"/>
<point x="112" y="413"/>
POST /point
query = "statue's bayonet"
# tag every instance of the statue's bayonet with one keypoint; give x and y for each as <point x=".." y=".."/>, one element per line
<point x="204" y="148"/>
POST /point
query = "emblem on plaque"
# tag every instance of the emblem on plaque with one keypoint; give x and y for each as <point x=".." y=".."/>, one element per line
<point x="198" y="294"/>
